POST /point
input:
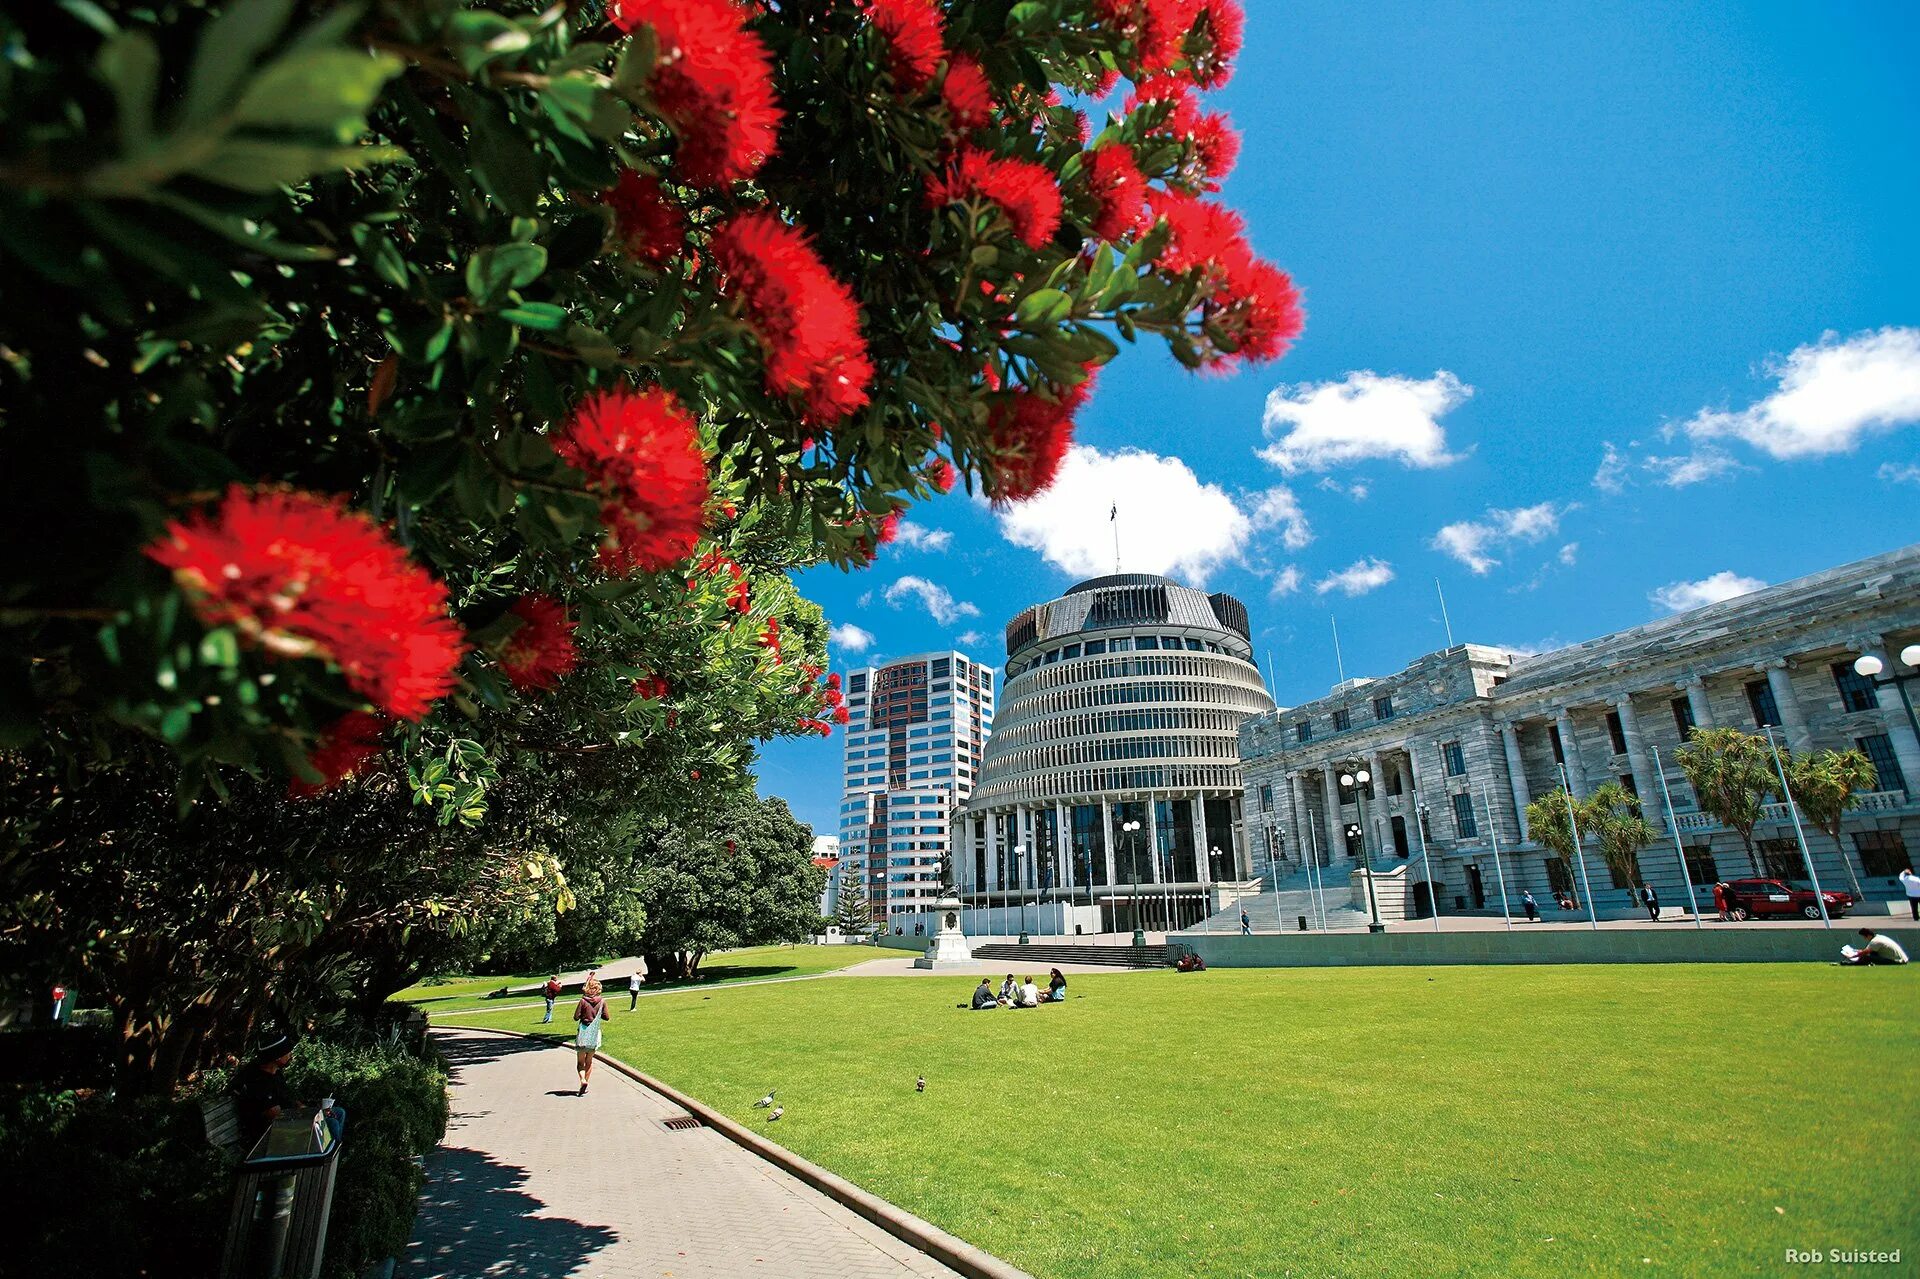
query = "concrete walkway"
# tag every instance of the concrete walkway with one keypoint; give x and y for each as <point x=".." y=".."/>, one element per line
<point x="534" y="1181"/>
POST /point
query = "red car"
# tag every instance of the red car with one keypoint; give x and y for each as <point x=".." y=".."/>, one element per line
<point x="1776" y="899"/>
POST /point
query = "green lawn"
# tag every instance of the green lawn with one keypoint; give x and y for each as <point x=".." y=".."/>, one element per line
<point x="457" y="994"/>
<point x="1381" y="1121"/>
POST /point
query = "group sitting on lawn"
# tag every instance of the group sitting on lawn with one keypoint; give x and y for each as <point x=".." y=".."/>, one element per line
<point x="1021" y="993"/>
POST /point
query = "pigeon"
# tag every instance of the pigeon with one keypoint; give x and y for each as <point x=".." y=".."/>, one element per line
<point x="920" y="1084"/>
<point x="776" y="1113"/>
<point x="765" y="1101"/>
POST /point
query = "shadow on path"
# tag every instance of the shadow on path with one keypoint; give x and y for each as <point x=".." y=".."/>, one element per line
<point x="464" y="1051"/>
<point x="475" y="1221"/>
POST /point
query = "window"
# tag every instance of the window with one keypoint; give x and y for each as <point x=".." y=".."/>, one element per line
<point x="1628" y="785"/>
<point x="1766" y="711"/>
<point x="1266" y="799"/>
<point x="1701" y="868"/>
<point x="1146" y="642"/>
<point x="857" y="683"/>
<point x="1383" y="707"/>
<point x="942" y="667"/>
<point x="1683" y="716"/>
<point x="1303" y="731"/>
<point x="1559" y="878"/>
<point x="1342" y="720"/>
<point x="1071" y="650"/>
<point x="1096" y="647"/>
<point x="1623" y="880"/>
<point x="1559" y="750"/>
<point x="1878" y="749"/>
<point x="1456" y="760"/>
<point x="1463" y="819"/>
<point x="1195" y="646"/>
<point x="1857" y="692"/>
<point x="1616" y="733"/>
<point x="1393" y="781"/>
<point x="1121" y="644"/>
<point x="1780" y="858"/>
<point x="1882" y="852"/>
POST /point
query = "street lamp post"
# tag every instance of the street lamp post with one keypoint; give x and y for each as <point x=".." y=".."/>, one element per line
<point x="1867" y="666"/>
<point x="1356" y="780"/>
<point x="1019" y="851"/>
<point x="1133" y="878"/>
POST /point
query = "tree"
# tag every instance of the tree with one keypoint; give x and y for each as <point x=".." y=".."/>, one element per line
<point x="1827" y="785"/>
<point x="738" y="874"/>
<point x="1732" y="775"/>
<point x="1611" y="817"/>
<point x="851" y="910"/>
<point x="1551" y="820"/>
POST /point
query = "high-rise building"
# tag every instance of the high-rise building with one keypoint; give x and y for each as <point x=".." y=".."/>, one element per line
<point x="914" y="734"/>
<point x="1112" y="779"/>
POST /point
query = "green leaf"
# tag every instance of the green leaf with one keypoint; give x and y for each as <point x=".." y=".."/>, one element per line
<point x="264" y="167"/>
<point x="227" y="50"/>
<point x="593" y="346"/>
<point x="1044" y="308"/>
<point x="504" y="163"/>
<point x="544" y="316"/>
<point x="330" y="90"/>
<point x="493" y="272"/>
<point x="130" y="64"/>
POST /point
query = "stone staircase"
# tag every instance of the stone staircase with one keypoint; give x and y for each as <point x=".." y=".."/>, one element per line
<point x="1280" y="905"/>
<point x="1044" y="953"/>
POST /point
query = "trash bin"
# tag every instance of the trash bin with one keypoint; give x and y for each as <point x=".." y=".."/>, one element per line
<point x="283" y="1197"/>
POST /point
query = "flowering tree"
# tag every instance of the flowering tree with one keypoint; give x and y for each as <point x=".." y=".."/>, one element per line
<point x="414" y="385"/>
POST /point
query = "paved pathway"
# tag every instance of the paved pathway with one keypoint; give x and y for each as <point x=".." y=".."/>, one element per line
<point x="535" y="1181"/>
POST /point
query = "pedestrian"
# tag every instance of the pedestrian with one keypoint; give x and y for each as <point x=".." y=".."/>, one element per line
<point x="1532" y="906"/>
<point x="1651" y="900"/>
<point x="1246" y="923"/>
<point x="1911" y="882"/>
<point x="259" y="1092"/>
<point x="588" y="1015"/>
<point x="633" y="989"/>
<point x="552" y="992"/>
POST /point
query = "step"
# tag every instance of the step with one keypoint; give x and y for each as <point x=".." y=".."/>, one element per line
<point x="1068" y="953"/>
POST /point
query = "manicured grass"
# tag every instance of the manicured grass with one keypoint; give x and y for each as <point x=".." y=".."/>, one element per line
<point x="457" y="994"/>
<point x="1411" y="1121"/>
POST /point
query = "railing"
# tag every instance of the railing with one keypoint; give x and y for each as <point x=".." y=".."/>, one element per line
<point x="1878" y="801"/>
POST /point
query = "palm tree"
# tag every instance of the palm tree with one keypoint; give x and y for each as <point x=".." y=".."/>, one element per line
<point x="1550" y="820"/>
<point x="1612" y="816"/>
<point x="1732" y="774"/>
<point x="1826" y="785"/>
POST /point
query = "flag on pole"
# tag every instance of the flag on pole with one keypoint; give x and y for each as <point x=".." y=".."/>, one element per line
<point x="1114" y="513"/>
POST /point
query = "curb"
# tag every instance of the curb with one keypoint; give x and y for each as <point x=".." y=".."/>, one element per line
<point x="955" y="1253"/>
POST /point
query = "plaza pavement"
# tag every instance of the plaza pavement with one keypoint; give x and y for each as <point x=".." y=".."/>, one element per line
<point x="534" y="1182"/>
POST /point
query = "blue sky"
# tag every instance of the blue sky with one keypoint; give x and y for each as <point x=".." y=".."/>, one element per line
<point x="1609" y="312"/>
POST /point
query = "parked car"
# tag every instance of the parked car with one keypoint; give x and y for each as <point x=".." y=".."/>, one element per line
<point x="1777" y="899"/>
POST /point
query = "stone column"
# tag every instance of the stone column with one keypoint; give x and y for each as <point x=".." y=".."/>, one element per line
<point x="1063" y="848"/>
<point x="1638" y="762"/>
<point x="1906" y="748"/>
<point x="1106" y="820"/>
<point x="1793" y="721"/>
<point x="1302" y="818"/>
<point x="1377" y="806"/>
<point x="1153" y="839"/>
<point x="1200" y="866"/>
<point x="1517" y="777"/>
<point x="1570" y="747"/>
<point x="1697" y="699"/>
<point x="1336" y="828"/>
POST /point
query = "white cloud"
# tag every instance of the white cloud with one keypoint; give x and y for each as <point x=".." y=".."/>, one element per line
<point x="1704" y="463"/>
<point x="1570" y="553"/>
<point x="1677" y="597"/>
<point x="1286" y="581"/>
<point x="1356" y="578"/>
<point x="1611" y="475"/>
<point x="1899" y="473"/>
<point x="968" y="639"/>
<point x="1279" y="508"/>
<point x="922" y="538"/>
<point x="850" y="637"/>
<point x="936" y="599"/>
<point x="1317" y="425"/>
<point x="1357" y="490"/>
<point x="866" y="599"/>
<point x="1830" y="395"/>
<point x="1170" y="522"/>
<point x="1473" y="541"/>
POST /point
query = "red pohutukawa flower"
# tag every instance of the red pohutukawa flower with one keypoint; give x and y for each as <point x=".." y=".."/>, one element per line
<point x="1157" y="28"/>
<point x="299" y="575"/>
<point x="1028" y="434"/>
<point x="967" y="92"/>
<point x="713" y="82"/>
<point x="1213" y="143"/>
<point x="640" y="451"/>
<point x="1025" y="191"/>
<point x="651" y="227"/>
<point x="1213" y="42"/>
<point x="887" y="527"/>
<point x="915" y="40"/>
<point x="342" y="751"/>
<point x="807" y="321"/>
<point x="1119" y="190"/>
<point x="770" y="637"/>
<point x="651" y="687"/>
<point x="841" y="715"/>
<point x="942" y="476"/>
<point x="1216" y="145"/>
<point x="1254" y="304"/>
<point x="541" y="648"/>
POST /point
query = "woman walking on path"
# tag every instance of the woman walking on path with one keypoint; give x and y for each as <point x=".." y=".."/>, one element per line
<point x="587" y="1016"/>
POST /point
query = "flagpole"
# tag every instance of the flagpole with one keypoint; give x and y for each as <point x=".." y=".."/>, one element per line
<point x="1113" y="518"/>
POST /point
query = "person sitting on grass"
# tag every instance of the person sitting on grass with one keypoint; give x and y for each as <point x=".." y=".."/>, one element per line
<point x="1009" y="989"/>
<point x="1190" y="962"/>
<point x="983" y="995"/>
<point x="1056" y="986"/>
<point x="1878" y="950"/>
<point x="1028" y="995"/>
